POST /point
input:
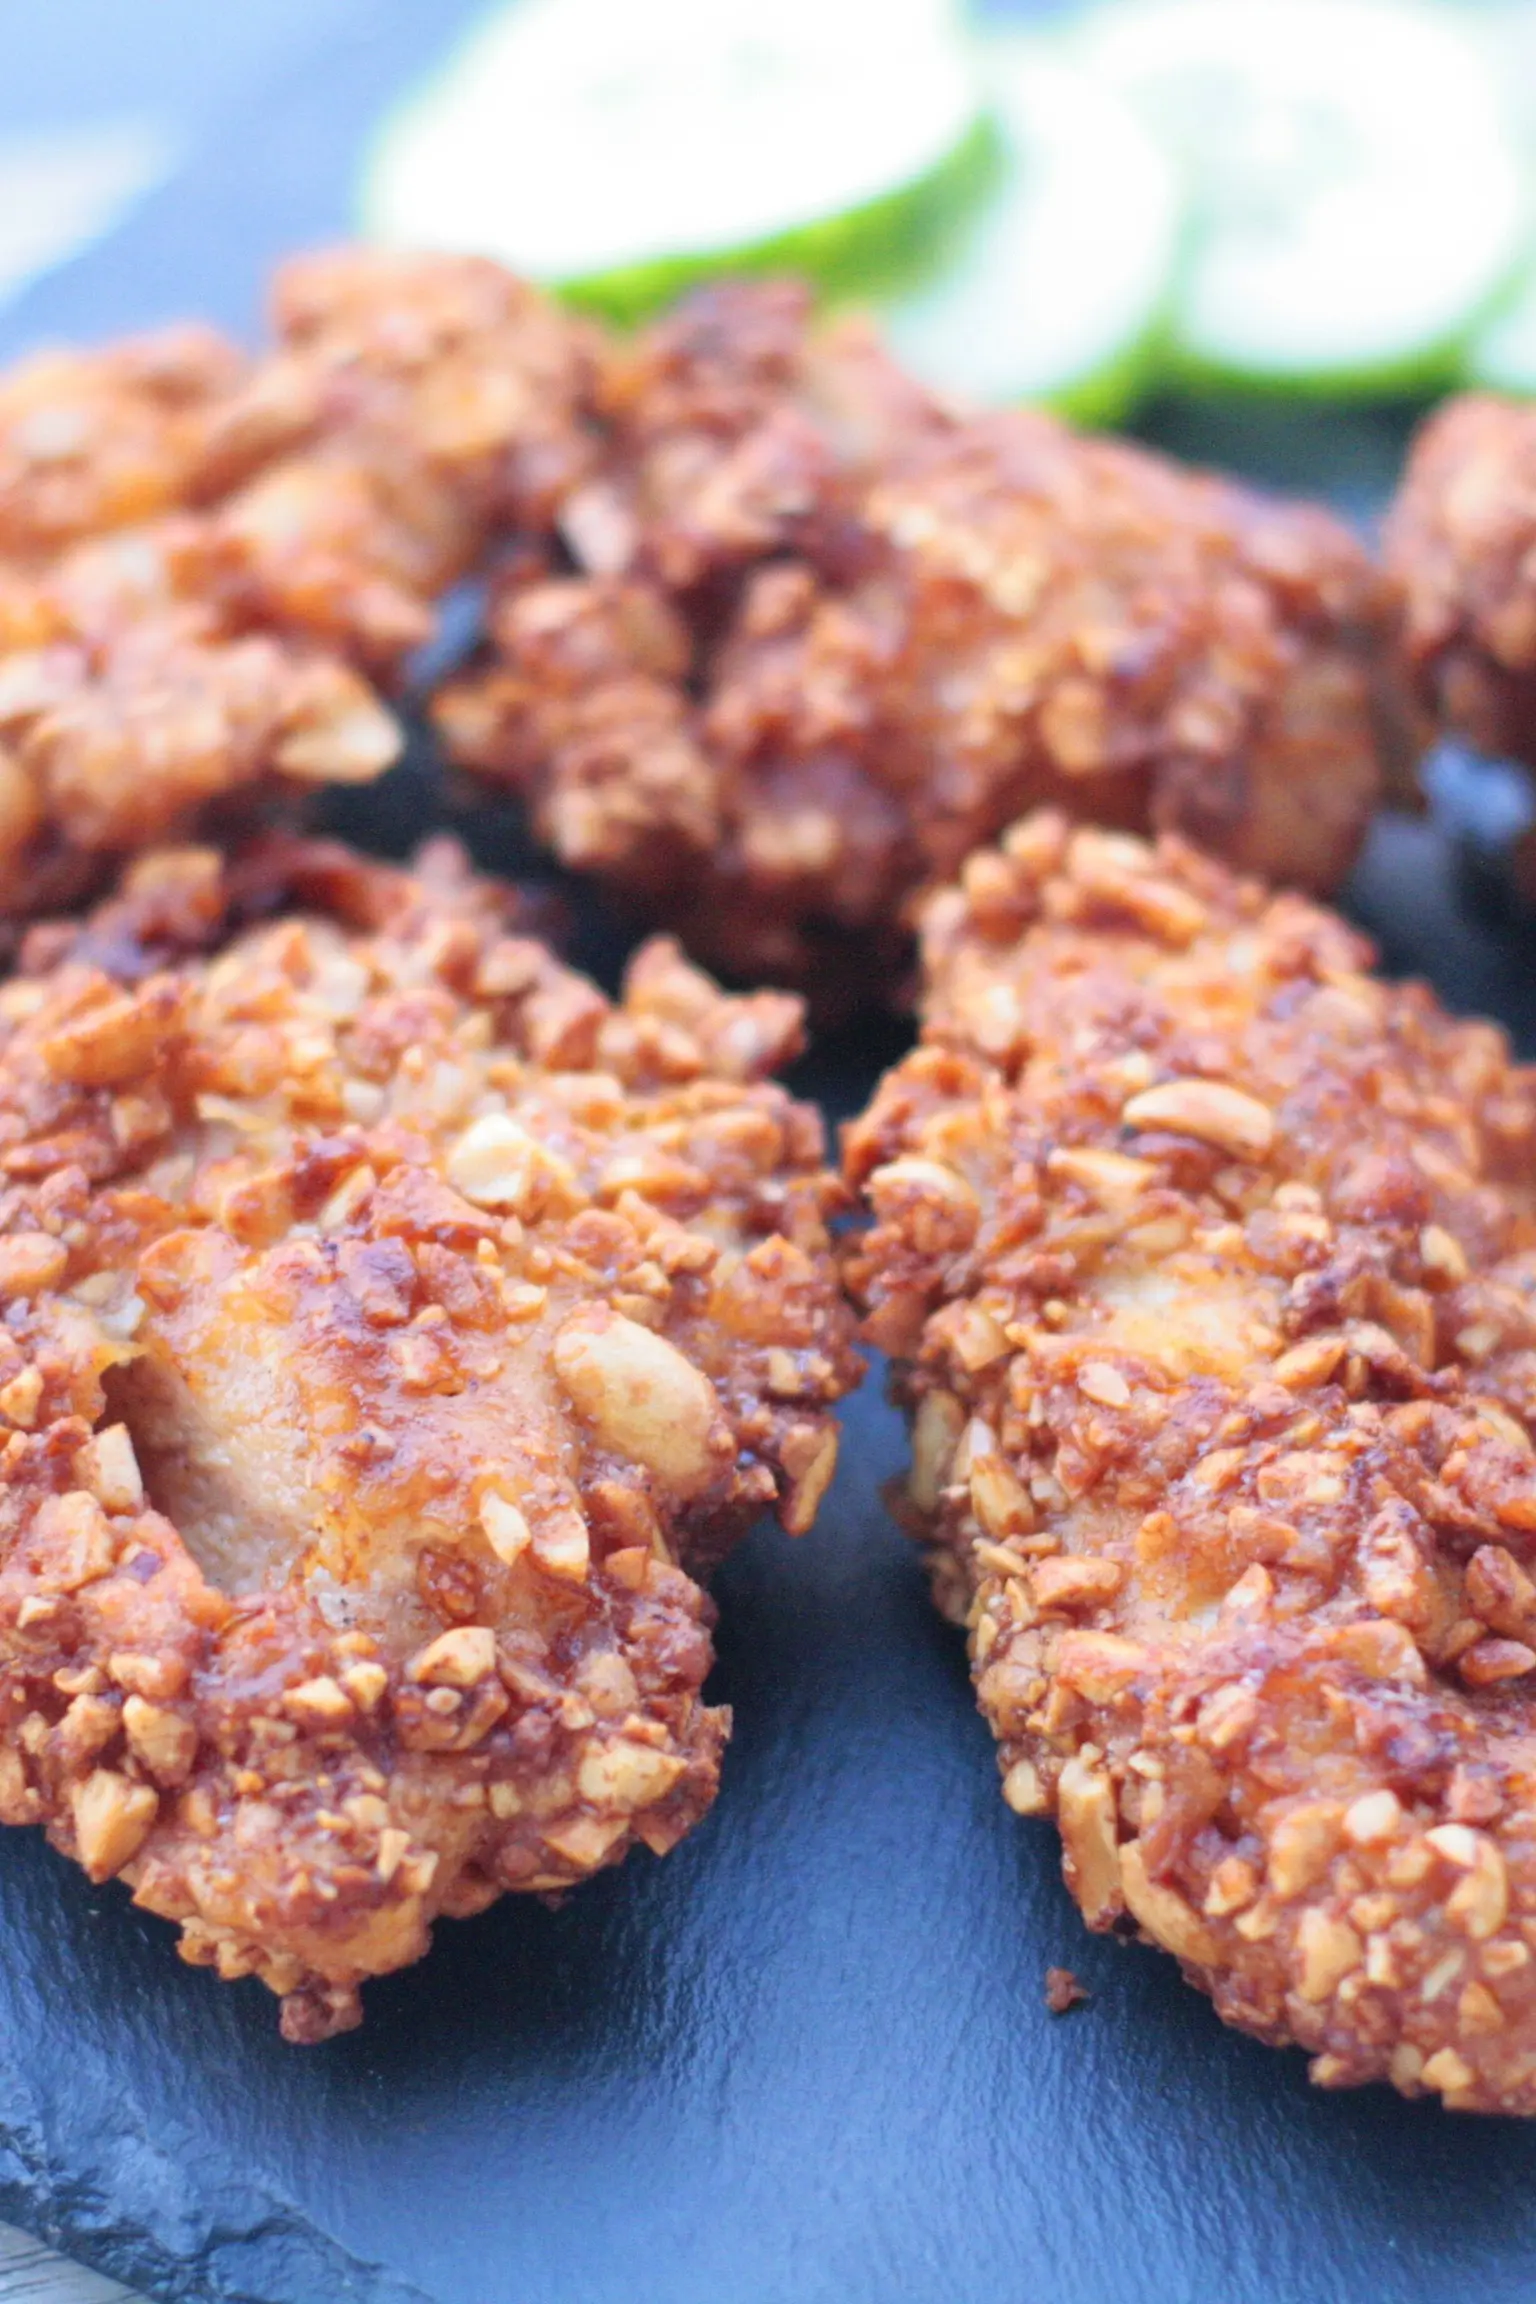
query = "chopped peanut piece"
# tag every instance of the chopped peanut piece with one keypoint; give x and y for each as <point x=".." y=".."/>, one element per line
<point x="1086" y="1812"/>
<point x="1329" y="1950"/>
<point x="319" y="1703"/>
<point x="1207" y="1109"/>
<point x="110" y="1470"/>
<point x="1165" y="1916"/>
<point x="562" y="1545"/>
<point x="162" y="1739"/>
<point x="506" y="1530"/>
<point x="456" y="1659"/>
<point x="1023" y="1790"/>
<point x="112" y="1819"/>
<point x="625" y="1775"/>
<point x="641" y="1397"/>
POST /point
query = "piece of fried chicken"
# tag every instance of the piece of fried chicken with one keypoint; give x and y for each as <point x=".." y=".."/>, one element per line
<point x="208" y="566"/>
<point x="1209" y="1265"/>
<point x="1461" y="541"/>
<point x="393" y="1331"/>
<point x="826" y="635"/>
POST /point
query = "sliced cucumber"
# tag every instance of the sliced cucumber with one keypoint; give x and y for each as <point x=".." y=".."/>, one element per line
<point x="619" y="148"/>
<point x="1059" y="288"/>
<point x="1502" y="355"/>
<point x="1358" y="200"/>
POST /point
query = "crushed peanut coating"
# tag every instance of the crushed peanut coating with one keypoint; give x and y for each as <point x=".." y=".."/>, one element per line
<point x="92" y="441"/>
<point x="413" y="405"/>
<point x="205" y="562"/>
<point x="825" y="635"/>
<point x="1209" y="1265"/>
<point x="1461" y="541"/>
<point x="393" y="1330"/>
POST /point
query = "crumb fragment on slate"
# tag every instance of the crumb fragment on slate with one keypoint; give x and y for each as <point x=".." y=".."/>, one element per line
<point x="1063" y="1991"/>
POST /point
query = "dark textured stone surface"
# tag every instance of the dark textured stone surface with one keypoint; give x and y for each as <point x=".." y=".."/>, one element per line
<point x="806" y="2060"/>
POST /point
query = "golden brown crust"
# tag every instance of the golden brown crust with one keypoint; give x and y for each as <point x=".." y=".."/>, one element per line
<point x="1210" y="1265"/>
<point x="204" y="562"/>
<point x="93" y="441"/>
<point x="413" y="405"/>
<point x="392" y="1330"/>
<point x="826" y="635"/>
<point x="1459" y="540"/>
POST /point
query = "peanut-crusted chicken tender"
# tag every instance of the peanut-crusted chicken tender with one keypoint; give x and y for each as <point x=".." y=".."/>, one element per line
<point x="393" y="1330"/>
<point x="1209" y="1263"/>
<point x="204" y="564"/>
<point x="827" y="635"/>
<point x="1461" y="541"/>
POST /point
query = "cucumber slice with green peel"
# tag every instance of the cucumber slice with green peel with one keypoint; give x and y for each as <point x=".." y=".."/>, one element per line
<point x="888" y="242"/>
<point x="620" y="148"/>
<point x="1058" y="289"/>
<point x="1359" y="203"/>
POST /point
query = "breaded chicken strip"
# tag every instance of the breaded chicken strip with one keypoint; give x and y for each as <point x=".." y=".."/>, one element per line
<point x="393" y="1330"/>
<point x="1209" y="1265"/>
<point x="204" y="564"/>
<point x="827" y="635"/>
<point x="1461" y="541"/>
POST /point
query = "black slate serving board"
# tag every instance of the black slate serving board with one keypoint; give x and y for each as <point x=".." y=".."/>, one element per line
<point x="807" y="2058"/>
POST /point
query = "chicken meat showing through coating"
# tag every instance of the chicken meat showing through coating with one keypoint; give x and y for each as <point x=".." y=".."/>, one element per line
<point x="826" y="635"/>
<point x="206" y="564"/>
<point x="1461" y="541"/>
<point x="1209" y="1265"/>
<point x="393" y="1331"/>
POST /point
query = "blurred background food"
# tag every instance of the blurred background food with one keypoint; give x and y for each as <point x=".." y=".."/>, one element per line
<point x="1264" y="235"/>
<point x="622" y="151"/>
<point x="1322" y="196"/>
<point x="1088" y="202"/>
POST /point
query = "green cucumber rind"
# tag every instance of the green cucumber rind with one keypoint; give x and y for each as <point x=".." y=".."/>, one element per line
<point x="1428" y="369"/>
<point x="1107" y="397"/>
<point x="1104" y="389"/>
<point x="886" y="243"/>
<point x="1476" y="372"/>
<point x="1423" y="370"/>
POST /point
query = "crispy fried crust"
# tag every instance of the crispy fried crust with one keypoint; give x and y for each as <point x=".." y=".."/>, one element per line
<point x="1460" y="541"/>
<point x="204" y="563"/>
<point x="826" y="635"/>
<point x="413" y="404"/>
<point x="93" y="441"/>
<point x="393" y="1329"/>
<point x="1209" y="1263"/>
